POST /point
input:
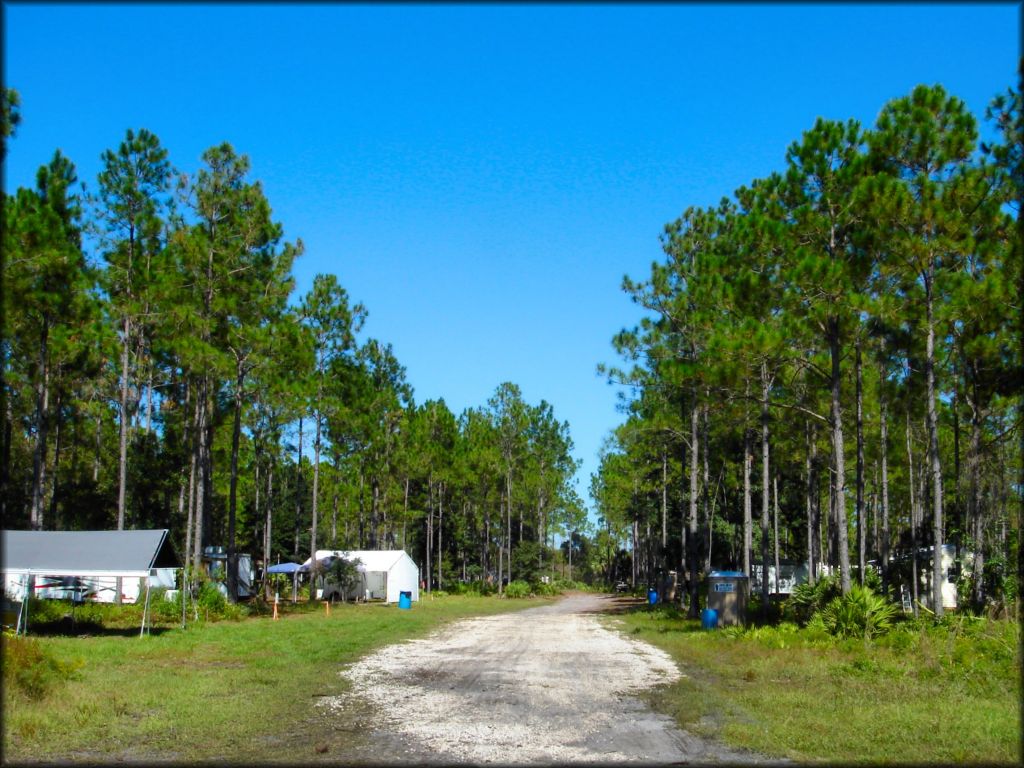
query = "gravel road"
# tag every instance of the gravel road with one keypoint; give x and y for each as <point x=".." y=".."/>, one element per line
<point x="544" y="685"/>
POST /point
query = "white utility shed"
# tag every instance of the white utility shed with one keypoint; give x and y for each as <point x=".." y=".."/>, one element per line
<point x="386" y="573"/>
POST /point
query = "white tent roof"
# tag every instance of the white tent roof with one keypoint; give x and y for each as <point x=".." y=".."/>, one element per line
<point x="87" y="553"/>
<point x="372" y="560"/>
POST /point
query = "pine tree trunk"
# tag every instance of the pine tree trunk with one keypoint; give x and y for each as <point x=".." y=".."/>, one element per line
<point x="440" y="533"/>
<point x="298" y="493"/>
<point x="334" y="520"/>
<point x="883" y="416"/>
<point x="748" y="523"/>
<point x="508" y="532"/>
<point x="405" y="515"/>
<point x="635" y="535"/>
<point x="974" y="512"/>
<point x="268" y="526"/>
<point x="42" y="423"/>
<point x="258" y="523"/>
<point x="149" y="400"/>
<point x="775" y="522"/>
<point x="122" y="461"/>
<point x="839" y="459"/>
<point x="860" y="465"/>
<point x="190" y="437"/>
<point x="811" y="502"/>
<point x="236" y="433"/>
<point x="430" y="528"/>
<point x="709" y="513"/>
<point x="765" y="474"/>
<point x="5" y="466"/>
<point x="314" y="567"/>
<point x="933" y="448"/>
<point x="361" y="511"/>
<point x="691" y="537"/>
<point x="913" y="521"/>
<point x="374" y="509"/>
<point x="664" y="499"/>
<point x="501" y="549"/>
<point x="202" y="404"/>
<point x="57" y="442"/>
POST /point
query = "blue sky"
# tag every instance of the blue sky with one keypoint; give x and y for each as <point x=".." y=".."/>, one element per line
<point x="481" y="177"/>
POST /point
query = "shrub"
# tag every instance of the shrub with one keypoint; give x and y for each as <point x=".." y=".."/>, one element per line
<point x="475" y="587"/>
<point x="861" y="613"/>
<point x="548" y="589"/>
<point x="32" y="669"/>
<point x="163" y="610"/>
<point x="517" y="589"/>
<point x="210" y="598"/>
<point x="213" y="604"/>
<point x="807" y="600"/>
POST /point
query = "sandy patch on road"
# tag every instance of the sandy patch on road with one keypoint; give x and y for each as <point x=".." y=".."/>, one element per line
<point x="545" y="685"/>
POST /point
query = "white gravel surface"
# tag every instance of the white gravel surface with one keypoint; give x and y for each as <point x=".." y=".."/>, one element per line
<point x="545" y="685"/>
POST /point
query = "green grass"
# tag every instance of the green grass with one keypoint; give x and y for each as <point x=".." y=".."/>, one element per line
<point x="918" y="695"/>
<point x="237" y="690"/>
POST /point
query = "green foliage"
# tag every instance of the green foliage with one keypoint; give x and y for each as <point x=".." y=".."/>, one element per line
<point x="884" y="697"/>
<point x="544" y="589"/>
<point x="345" y="573"/>
<point x="806" y="600"/>
<point x="32" y="669"/>
<point x="861" y="613"/>
<point x="526" y="564"/>
<point x="212" y="604"/>
<point x="517" y="589"/>
<point x="478" y="588"/>
<point x="162" y="610"/>
<point x="147" y="692"/>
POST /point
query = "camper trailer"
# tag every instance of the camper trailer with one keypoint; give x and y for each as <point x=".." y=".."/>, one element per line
<point x="901" y="567"/>
<point x="215" y="560"/>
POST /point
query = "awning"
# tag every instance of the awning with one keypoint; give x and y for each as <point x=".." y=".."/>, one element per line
<point x="87" y="553"/>
<point x="284" y="568"/>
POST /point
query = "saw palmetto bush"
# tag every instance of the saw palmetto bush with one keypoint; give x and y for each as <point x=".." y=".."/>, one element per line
<point x="861" y="613"/>
<point x="808" y="599"/>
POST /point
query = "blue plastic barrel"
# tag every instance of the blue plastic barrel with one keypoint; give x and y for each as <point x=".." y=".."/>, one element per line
<point x="405" y="600"/>
<point x="709" y="619"/>
<point x="652" y="596"/>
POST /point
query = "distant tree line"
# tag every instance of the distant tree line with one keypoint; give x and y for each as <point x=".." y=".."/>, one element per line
<point x="829" y="369"/>
<point x="158" y="371"/>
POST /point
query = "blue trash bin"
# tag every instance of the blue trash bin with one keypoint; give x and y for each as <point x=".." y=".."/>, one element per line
<point x="709" y="619"/>
<point x="405" y="600"/>
<point x="652" y="596"/>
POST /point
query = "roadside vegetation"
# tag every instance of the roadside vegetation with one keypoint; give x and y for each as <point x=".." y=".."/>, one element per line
<point x="240" y="690"/>
<point x="846" y="684"/>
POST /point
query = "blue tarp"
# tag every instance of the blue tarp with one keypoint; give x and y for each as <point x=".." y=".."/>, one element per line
<point x="283" y="568"/>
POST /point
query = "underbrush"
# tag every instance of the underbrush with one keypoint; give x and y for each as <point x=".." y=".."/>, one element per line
<point x="31" y="669"/>
<point x="58" y="616"/>
<point x="923" y="691"/>
<point x="184" y="696"/>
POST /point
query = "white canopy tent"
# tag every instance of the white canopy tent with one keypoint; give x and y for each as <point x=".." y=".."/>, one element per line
<point x="386" y="573"/>
<point x="85" y="555"/>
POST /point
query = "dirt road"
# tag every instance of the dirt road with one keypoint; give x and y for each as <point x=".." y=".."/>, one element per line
<point x="545" y="685"/>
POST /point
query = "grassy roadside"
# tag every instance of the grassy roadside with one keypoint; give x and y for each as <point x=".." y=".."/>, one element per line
<point x="945" y="694"/>
<point x="236" y="690"/>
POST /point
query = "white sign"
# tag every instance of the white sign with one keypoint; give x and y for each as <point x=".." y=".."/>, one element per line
<point x="727" y="586"/>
